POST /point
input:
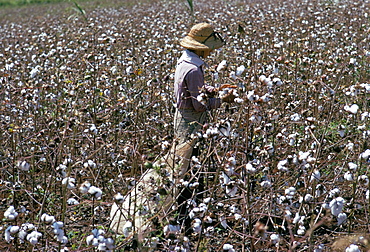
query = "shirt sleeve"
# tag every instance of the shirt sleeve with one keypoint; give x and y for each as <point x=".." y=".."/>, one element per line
<point x="195" y="82"/>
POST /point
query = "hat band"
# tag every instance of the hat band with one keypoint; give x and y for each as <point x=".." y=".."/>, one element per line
<point x="216" y="35"/>
<point x="200" y="38"/>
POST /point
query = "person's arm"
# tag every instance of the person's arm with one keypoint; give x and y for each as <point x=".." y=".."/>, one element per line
<point x="195" y="82"/>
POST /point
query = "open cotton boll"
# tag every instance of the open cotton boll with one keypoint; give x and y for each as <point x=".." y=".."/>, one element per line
<point x="23" y="166"/>
<point x="353" y="248"/>
<point x="275" y="238"/>
<point x="33" y="237"/>
<point x="336" y="206"/>
<point x="85" y="186"/>
<point x="249" y="168"/>
<point x="348" y="176"/>
<point x="232" y="75"/>
<point x="221" y="66"/>
<point x="72" y="201"/>
<point x="127" y="228"/>
<point x="365" y="155"/>
<point x="352" y="166"/>
<point x="239" y="70"/>
<point x="10" y="213"/>
<point x="70" y="182"/>
<point x="96" y="192"/>
<point x="351" y="109"/>
<point x="197" y="225"/>
<point x="48" y="219"/>
<point x="342" y="217"/>
<point x="228" y="247"/>
<point x="119" y="198"/>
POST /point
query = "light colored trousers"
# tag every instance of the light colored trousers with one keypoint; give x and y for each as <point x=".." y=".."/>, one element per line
<point x="139" y="203"/>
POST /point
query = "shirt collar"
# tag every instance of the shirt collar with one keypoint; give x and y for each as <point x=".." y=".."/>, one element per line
<point x="191" y="57"/>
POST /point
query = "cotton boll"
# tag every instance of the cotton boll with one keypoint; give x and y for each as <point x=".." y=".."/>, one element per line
<point x="7" y="235"/>
<point x="363" y="179"/>
<point x="353" y="248"/>
<point x="365" y="155"/>
<point x="239" y="70"/>
<point x="297" y="218"/>
<point x="14" y="229"/>
<point x="95" y="191"/>
<point x="89" y="239"/>
<point x="334" y="192"/>
<point x="222" y="66"/>
<point x="232" y="75"/>
<point x="70" y="182"/>
<point x="72" y="201"/>
<point x="127" y="228"/>
<point x="351" y="109"/>
<point x="249" y="168"/>
<point x="301" y="230"/>
<point x="266" y="184"/>
<point x="33" y="237"/>
<point x="348" y="176"/>
<point x="57" y="225"/>
<point x="275" y="238"/>
<point x="238" y="100"/>
<point x="10" y="213"/>
<point x="48" y="219"/>
<point x="277" y="81"/>
<point x="352" y="166"/>
<point x="352" y="61"/>
<point x="231" y="190"/>
<point x="315" y="175"/>
<point x="228" y="247"/>
<point x="262" y="78"/>
<point x="84" y="188"/>
<point x="23" y="166"/>
<point x="336" y="206"/>
<point x="251" y="96"/>
<point x="289" y="192"/>
<point x="308" y="197"/>
<point x="119" y="198"/>
<point x="282" y="165"/>
<point x="342" y="217"/>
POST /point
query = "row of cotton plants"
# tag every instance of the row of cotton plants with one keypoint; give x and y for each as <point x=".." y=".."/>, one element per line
<point x="87" y="107"/>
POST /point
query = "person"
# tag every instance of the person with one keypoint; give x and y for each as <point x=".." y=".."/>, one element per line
<point x="190" y="112"/>
<point x="130" y="215"/>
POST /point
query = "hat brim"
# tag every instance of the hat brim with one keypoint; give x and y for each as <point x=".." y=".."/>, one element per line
<point x="212" y="43"/>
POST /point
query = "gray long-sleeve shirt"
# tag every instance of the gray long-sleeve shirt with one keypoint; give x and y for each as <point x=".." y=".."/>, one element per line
<point x="189" y="79"/>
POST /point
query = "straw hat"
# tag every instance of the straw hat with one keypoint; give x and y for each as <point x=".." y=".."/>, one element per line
<point x="202" y="37"/>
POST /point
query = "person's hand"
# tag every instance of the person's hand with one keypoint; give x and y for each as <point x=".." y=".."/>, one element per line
<point x="209" y="90"/>
<point x="229" y="96"/>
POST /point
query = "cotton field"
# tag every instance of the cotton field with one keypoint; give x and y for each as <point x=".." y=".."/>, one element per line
<point x="86" y="107"/>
